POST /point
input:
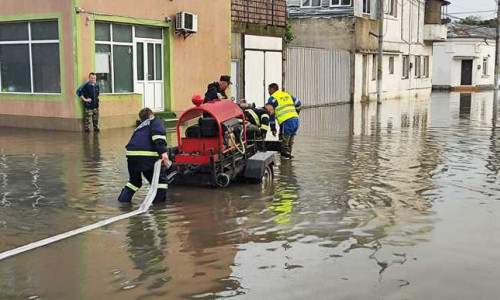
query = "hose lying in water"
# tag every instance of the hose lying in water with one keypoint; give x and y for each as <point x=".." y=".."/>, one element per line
<point x="142" y="209"/>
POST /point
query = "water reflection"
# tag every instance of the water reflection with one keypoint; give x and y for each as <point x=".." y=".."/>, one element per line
<point x="380" y="201"/>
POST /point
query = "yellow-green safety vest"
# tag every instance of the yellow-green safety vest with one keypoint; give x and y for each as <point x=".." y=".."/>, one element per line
<point x="286" y="107"/>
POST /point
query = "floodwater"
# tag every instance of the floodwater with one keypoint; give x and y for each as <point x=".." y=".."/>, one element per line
<point x="403" y="205"/>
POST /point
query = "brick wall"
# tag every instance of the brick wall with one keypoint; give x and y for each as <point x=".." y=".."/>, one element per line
<point x="264" y="12"/>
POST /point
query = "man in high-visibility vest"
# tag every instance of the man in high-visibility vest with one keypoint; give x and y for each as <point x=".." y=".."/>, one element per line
<point x="146" y="146"/>
<point x="282" y="105"/>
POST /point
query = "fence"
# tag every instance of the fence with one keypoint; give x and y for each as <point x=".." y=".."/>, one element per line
<point x="318" y="76"/>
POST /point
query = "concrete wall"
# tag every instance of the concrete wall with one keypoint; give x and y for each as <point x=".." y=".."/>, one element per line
<point x="363" y="39"/>
<point x="447" y="73"/>
<point x="325" y="33"/>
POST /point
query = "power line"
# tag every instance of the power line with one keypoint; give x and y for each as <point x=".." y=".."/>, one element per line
<point x="472" y="12"/>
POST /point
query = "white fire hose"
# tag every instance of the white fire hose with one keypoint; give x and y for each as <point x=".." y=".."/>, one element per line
<point x="142" y="209"/>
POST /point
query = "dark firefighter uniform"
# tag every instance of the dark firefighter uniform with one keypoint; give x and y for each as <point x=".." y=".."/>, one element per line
<point x="145" y="147"/>
<point x="259" y="117"/>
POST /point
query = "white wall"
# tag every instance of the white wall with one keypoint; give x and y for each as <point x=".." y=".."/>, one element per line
<point x="447" y="70"/>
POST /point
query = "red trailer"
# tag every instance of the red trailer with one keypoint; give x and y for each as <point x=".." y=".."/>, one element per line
<point x="213" y="148"/>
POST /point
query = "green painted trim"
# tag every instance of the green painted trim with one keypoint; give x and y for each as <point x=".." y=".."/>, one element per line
<point x="121" y="97"/>
<point x="78" y="59"/>
<point x="61" y="97"/>
<point x="30" y="17"/>
<point x="32" y="97"/>
<point x="168" y="61"/>
<point x="92" y="48"/>
<point x="131" y="20"/>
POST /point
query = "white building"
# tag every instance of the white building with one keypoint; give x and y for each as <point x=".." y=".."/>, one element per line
<point x="411" y="27"/>
<point x="466" y="61"/>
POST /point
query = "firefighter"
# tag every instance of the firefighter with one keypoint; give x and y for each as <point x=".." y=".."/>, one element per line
<point x="259" y="122"/>
<point x="147" y="144"/>
<point x="282" y="105"/>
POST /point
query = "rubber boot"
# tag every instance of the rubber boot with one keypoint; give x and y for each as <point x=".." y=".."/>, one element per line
<point x="126" y="195"/>
<point x="285" y="150"/>
<point x="161" y="196"/>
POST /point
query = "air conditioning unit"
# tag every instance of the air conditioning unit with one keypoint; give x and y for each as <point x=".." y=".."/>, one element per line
<point x="186" y="22"/>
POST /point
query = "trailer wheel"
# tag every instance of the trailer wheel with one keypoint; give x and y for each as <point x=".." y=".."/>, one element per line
<point x="222" y="180"/>
<point x="267" y="177"/>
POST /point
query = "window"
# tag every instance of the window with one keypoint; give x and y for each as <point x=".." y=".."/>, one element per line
<point x="392" y="8"/>
<point x="374" y="67"/>
<point x="426" y="67"/>
<point x="29" y="57"/>
<point x="418" y="66"/>
<point x="310" y="3"/>
<point x="114" y="57"/>
<point x="485" y="66"/>
<point x="366" y="6"/>
<point x="405" y="67"/>
<point x="391" y="65"/>
<point x="340" y="2"/>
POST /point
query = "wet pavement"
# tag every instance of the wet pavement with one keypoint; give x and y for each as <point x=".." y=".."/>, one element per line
<point x="403" y="205"/>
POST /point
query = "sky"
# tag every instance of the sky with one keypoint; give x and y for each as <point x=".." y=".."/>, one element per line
<point x="470" y="7"/>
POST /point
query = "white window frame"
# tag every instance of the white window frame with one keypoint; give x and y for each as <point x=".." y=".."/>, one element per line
<point x="30" y="42"/>
<point x="485" y="66"/>
<point x="374" y="67"/>
<point x="111" y="43"/>
<point x="405" y="64"/>
<point x="391" y="65"/>
<point x="340" y="3"/>
<point x="392" y="8"/>
<point x="426" y="66"/>
<point x="368" y="6"/>
<point x="310" y="5"/>
<point x="418" y="66"/>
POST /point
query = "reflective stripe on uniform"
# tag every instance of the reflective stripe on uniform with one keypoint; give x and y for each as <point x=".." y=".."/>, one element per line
<point x="142" y="153"/>
<point x="286" y="108"/>
<point x="264" y="116"/>
<point x="132" y="187"/>
<point x="254" y="116"/>
<point x="282" y="107"/>
<point x="163" y="186"/>
<point x="158" y="137"/>
<point x="264" y="127"/>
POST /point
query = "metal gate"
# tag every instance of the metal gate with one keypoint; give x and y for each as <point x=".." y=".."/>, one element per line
<point x="318" y="76"/>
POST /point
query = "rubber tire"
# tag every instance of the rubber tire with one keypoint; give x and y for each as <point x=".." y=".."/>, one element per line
<point x="222" y="180"/>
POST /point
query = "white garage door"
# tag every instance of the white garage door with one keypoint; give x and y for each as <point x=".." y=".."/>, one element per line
<point x="263" y="66"/>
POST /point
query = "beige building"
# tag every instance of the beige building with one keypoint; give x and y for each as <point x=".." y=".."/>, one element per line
<point x="47" y="48"/>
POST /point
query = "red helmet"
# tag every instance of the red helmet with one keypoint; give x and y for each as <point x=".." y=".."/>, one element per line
<point x="197" y="100"/>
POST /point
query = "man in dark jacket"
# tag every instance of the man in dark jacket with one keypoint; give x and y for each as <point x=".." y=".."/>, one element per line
<point x="259" y="122"/>
<point x="89" y="93"/>
<point x="217" y="90"/>
<point x="147" y="145"/>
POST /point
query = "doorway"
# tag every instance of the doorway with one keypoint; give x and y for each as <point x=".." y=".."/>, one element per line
<point x="149" y="83"/>
<point x="261" y="69"/>
<point x="466" y="78"/>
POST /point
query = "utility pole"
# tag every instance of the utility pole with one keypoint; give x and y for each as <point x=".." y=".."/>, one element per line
<point x="497" y="67"/>
<point x="380" y="14"/>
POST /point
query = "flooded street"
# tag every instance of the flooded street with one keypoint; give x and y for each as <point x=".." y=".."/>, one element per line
<point x="405" y="205"/>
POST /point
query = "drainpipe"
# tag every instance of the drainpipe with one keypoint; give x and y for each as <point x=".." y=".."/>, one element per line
<point x="380" y="13"/>
<point x="497" y="67"/>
